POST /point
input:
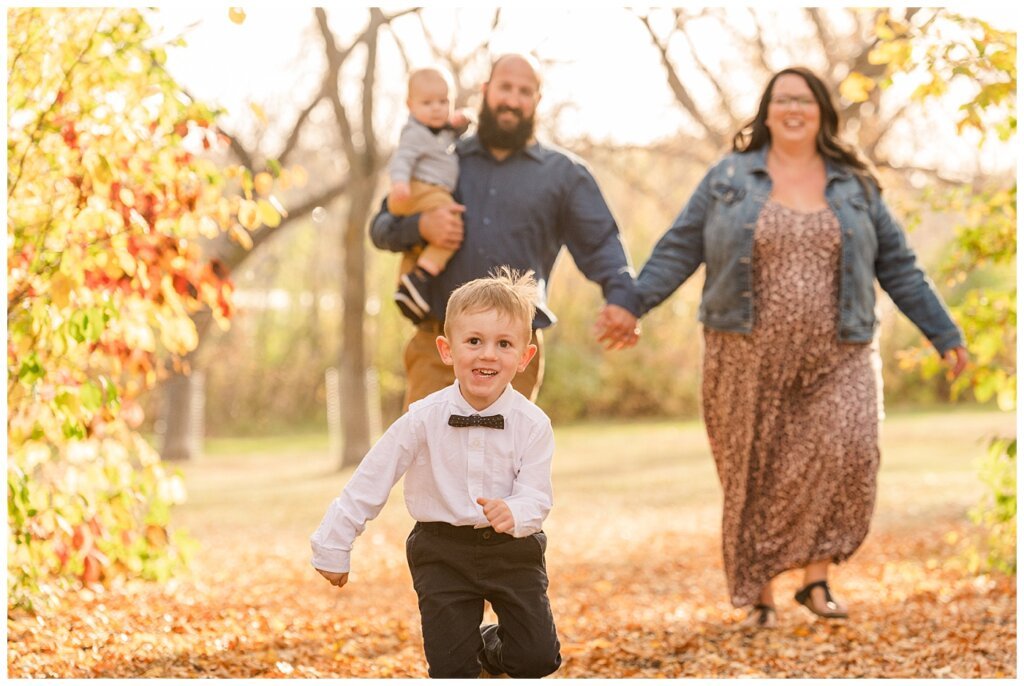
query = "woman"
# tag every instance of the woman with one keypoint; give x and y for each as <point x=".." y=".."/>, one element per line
<point x="793" y="232"/>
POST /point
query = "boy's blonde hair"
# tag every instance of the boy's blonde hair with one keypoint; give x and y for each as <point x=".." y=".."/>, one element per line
<point x="506" y="291"/>
<point x="417" y="76"/>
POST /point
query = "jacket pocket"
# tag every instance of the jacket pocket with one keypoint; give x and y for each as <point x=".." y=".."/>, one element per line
<point x="725" y="193"/>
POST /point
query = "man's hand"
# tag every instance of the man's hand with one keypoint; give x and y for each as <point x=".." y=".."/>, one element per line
<point x="616" y="328"/>
<point x="400" y="191"/>
<point x="338" y="579"/>
<point x="442" y="226"/>
<point x="497" y="514"/>
<point x="959" y="360"/>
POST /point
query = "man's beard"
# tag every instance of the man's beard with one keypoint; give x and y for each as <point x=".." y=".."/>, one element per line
<point x="493" y="136"/>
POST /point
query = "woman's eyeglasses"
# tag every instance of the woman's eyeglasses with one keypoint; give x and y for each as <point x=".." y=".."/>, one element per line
<point x="787" y="100"/>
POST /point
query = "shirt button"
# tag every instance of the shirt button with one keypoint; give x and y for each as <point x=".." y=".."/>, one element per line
<point x="492" y="192"/>
<point x="487" y="220"/>
<point x="745" y="294"/>
<point x="475" y="443"/>
<point x="744" y="260"/>
<point x="487" y="534"/>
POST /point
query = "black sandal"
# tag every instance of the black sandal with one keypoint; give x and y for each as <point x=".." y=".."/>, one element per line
<point x="803" y="596"/>
<point x="761" y="617"/>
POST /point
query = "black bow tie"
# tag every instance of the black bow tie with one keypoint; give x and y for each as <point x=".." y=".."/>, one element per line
<point x="493" y="421"/>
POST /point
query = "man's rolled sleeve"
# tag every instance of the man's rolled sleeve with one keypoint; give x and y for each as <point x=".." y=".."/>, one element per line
<point x="394" y="233"/>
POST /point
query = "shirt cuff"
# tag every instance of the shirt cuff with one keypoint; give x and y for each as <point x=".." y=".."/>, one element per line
<point x="521" y="528"/>
<point x="628" y="298"/>
<point x="331" y="559"/>
<point x="947" y="342"/>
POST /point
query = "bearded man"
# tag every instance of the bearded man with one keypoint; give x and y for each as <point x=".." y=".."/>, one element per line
<point x="518" y="202"/>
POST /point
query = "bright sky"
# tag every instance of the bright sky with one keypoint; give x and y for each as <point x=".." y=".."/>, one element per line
<point x="617" y="90"/>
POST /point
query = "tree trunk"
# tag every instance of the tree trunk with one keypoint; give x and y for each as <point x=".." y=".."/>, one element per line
<point x="355" y="411"/>
<point x="183" y="425"/>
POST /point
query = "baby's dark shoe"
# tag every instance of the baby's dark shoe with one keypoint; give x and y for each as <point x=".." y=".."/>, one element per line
<point x="411" y="296"/>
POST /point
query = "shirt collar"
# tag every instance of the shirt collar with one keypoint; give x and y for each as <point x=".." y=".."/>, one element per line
<point x="460" y="406"/>
<point x="471" y="145"/>
<point x="413" y="120"/>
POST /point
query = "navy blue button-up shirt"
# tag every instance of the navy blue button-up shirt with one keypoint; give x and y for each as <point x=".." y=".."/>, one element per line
<point x="520" y="212"/>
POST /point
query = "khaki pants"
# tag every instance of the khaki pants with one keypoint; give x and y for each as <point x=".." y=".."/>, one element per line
<point x="423" y="197"/>
<point x="426" y="373"/>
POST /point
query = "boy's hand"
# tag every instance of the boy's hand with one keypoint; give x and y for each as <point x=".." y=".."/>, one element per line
<point x="400" y="191"/>
<point x="497" y="514"/>
<point x="461" y="119"/>
<point x="338" y="579"/>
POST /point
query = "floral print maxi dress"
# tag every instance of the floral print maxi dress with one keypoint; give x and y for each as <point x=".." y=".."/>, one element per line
<point x="791" y="412"/>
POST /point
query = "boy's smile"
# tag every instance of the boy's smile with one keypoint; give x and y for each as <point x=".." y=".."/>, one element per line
<point x="486" y="349"/>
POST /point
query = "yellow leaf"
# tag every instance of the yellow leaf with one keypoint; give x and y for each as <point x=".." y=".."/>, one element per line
<point x="263" y="183"/>
<point x="208" y="227"/>
<point x="126" y="197"/>
<point x="60" y="290"/>
<point x="856" y="87"/>
<point x="236" y="14"/>
<point x="248" y="216"/>
<point x="268" y="215"/>
<point x="241" y="236"/>
<point x="127" y="262"/>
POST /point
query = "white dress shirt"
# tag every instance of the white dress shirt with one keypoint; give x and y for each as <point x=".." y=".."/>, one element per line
<point x="446" y="469"/>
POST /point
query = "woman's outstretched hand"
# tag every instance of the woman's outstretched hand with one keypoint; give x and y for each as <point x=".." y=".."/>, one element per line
<point x="957" y="358"/>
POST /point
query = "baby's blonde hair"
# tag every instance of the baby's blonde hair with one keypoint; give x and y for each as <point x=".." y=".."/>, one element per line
<point x="418" y="75"/>
<point x="505" y="290"/>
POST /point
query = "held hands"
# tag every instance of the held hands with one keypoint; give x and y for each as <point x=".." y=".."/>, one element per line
<point x="616" y="328"/>
<point x="338" y="579"/>
<point x="442" y="226"/>
<point x="400" y="191"/>
<point x="957" y="358"/>
<point x="497" y="514"/>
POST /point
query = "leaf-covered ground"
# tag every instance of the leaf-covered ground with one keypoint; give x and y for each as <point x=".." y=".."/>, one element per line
<point x="636" y="588"/>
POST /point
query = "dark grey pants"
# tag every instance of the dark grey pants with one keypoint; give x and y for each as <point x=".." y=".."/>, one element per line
<point x="454" y="570"/>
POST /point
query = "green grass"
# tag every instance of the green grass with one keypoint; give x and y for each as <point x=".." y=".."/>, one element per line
<point x="660" y="472"/>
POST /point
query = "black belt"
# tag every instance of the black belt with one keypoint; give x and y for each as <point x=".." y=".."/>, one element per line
<point x="464" y="534"/>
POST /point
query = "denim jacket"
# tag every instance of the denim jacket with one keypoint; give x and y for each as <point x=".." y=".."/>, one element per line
<point x="716" y="227"/>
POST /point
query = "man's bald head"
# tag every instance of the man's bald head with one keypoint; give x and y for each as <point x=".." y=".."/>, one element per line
<point x="518" y="62"/>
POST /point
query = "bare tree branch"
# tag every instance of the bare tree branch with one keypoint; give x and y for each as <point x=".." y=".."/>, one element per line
<point x="762" y="49"/>
<point x="723" y="97"/>
<point x="293" y="137"/>
<point x="406" y="62"/>
<point x="377" y="18"/>
<point x="335" y="60"/>
<point x="680" y="92"/>
<point x="231" y="254"/>
<point x="822" y="31"/>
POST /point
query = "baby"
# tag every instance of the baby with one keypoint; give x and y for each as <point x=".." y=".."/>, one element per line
<point x="423" y="172"/>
